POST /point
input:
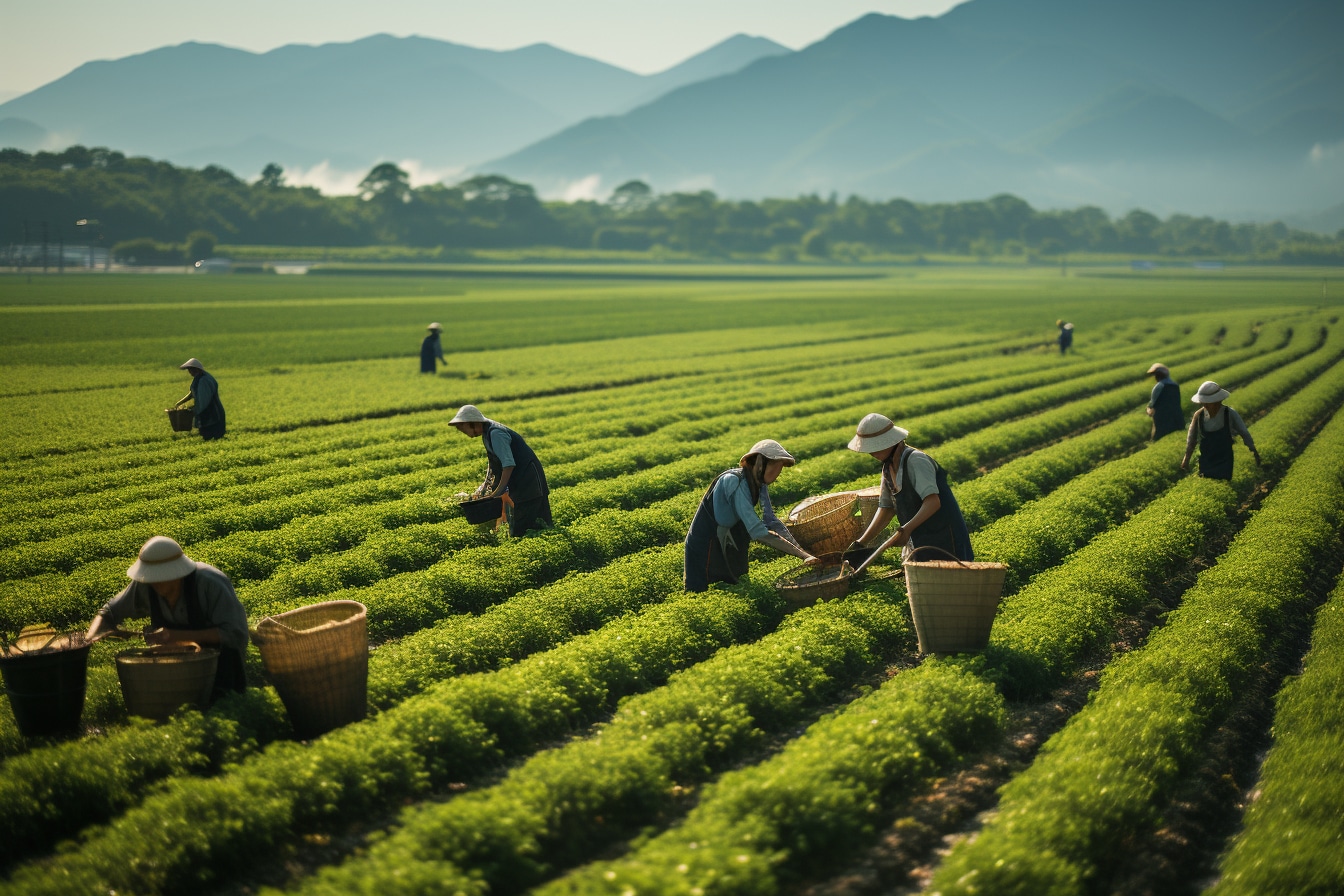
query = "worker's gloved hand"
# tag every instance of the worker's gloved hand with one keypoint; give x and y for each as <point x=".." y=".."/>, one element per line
<point x="856" y="553"/>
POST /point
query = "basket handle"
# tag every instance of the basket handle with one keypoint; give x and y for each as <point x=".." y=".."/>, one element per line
<point x="935" y="547"/>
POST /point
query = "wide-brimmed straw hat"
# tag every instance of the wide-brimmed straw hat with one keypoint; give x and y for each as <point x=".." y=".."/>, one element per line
<point x="435" y="326"/>
<point x="1209" y="392"/>
<point x="1159" y="368"/>
<point x="192" y="362"/>
<point x="468" y="414"/>
<point x="771" y="450"/>
<point x="161" y="560"/>
<point x="876" y="432"/>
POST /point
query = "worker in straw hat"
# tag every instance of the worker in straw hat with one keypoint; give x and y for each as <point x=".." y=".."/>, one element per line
<point x="1164" y="405"/>
<point x="914" y="490"/>
<point x="185" y="601"/>
<point x="1065" y="335"/>
<point x="204" y="396"/>
<point x="726" y="522"/>
<point x="515" y="472"/>
<point x="1212" y="428"/>
<point x="430" y="349"/>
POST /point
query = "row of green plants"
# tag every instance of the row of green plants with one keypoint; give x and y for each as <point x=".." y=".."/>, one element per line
<point x="1290" y="841"/>
<point x="1106" y="776"/>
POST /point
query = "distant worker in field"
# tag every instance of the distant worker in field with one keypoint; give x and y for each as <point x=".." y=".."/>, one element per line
<point x="430" y="349"/>
<point x="1164" y="405"/>
<point x="914" y="490"/>
<point x="185" y="601"/>
<point x="515" y="472"/>
<point x="204" y="396"/>
<point x="726" y="522"/>
<point x="1065" y="335"/>
<point x="1212" y="428"/>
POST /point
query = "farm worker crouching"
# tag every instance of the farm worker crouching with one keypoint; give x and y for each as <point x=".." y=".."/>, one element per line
<point x="430" y="349"/>
<point x="204" y="396"/>
<point x="185" y="601"/>
<point x="726" y="523"/>
<point x="1212" y="427"/>
<point x="1065" y="335"/>
<point x="515" y="472"/>
<point x="1164" y="405"/>
<point x="914" y="490"/>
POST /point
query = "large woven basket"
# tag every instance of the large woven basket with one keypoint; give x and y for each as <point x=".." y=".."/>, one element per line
<point x="953" y="602"/>
<point x="827" y="524"/>
<point x="803" y="585"/>
<point x="45" y="674"/>
<point x="318" y="659"/>
<point x="157" y="681"/>
<point x="181" y="419"/>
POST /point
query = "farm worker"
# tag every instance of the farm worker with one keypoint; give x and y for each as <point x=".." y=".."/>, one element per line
<point x="1164" y="405"/>
<point x="1065" y="335"/>
<point x="204" y="396"/>
<point x="185" y="601"/>
<point x="430" y="349"/>
<point x="1212" y="427"/>
<point x="515" y="473"/>
<point x="726" y="523"/>
<point x="914" y="490"/>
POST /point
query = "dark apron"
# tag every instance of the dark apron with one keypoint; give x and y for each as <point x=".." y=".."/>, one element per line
<point x="1215" y="448"/>
<point x="1167" y="415"/>
<point x="946" y="529"/>
<point x="210" y="419"/>
<point x="229" y="674"/>
<point x="707" y="561"/>
<point x="429" y="350"/>
<point x="528" y="489"/>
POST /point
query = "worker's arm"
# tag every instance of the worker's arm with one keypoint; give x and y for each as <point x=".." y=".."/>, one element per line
<point x="206" y="637"/>
<point x="787" y="547"/>
<point x="931" y="505"/>
<point x="123" y="606"/>
<point x="1191" y="438"/>
<point x="756" y="528"/>
<point x="183" y="400"/>
<point x="504" y="476"/>
<point x="880" y="521"/>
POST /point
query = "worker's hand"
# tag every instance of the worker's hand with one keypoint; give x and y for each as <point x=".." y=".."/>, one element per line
<point x="157" y="636"/>
<point x="1256" y="455"/>
<point x="812" y="561"/>
<point x="1185" y="463"/>
<point x="1149" y="411"/>
<point x="856" y="553"/>
<point x="902" y="538"/>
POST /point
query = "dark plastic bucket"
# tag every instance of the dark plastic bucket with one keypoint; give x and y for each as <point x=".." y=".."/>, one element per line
<point x="482" y="510"/>
<point x="46" y="690"/>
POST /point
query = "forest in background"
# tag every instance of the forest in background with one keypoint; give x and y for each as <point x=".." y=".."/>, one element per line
<point x="154" y="212"/>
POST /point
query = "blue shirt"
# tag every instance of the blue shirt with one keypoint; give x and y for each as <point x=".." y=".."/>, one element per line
<point x="732" y="504"/>
<point x="1157" y="390"/>
<point x="502" y="445"/>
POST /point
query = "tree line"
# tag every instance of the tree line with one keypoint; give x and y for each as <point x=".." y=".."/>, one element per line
<point x="156" y="212"/>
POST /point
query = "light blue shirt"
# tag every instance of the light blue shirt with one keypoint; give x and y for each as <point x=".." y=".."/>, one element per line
<point x="732" y="504"/>
<point x="502" y="445"/>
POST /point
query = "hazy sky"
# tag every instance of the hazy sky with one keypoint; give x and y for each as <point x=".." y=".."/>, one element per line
<point x="45" y="39"/>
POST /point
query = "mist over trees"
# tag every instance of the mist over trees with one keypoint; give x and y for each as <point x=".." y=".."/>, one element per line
<point x="165" y="209"/>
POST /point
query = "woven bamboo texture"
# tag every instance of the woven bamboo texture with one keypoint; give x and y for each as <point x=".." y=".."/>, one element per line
<point x="828" y="523"/>
<point x="803" y="585"/>
<point x="953" y="603"/>
<point x="318" y="658"/>
<point x="156" y="682"/>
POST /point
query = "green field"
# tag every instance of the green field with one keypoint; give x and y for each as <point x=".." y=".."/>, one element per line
<point x="553" y="712"/>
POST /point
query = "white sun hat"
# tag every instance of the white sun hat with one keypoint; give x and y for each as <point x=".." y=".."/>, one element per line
<point x="1159" y="367"/>
<point x="1209" y="392"/>
<point x="192" y="362"/>
<point x="876" y="432"/>
<point x="435" y="326"/>
<point x="468" y="414"/>
<point x="161" y="560"/>
<point x="771" y="450"/>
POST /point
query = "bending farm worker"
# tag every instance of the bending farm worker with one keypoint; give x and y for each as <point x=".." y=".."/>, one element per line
<point x="515" y="472"/>
<point x="1212" y="427"/>
<point x="726" y="522"/>
<point x="1065" y="335"/>
<point x="185" y="601"/>
<point x="204" y="396"/>
<point x="430" y="349"/>
<point x="914" y="490"/>
<point x="1164" y="405"/>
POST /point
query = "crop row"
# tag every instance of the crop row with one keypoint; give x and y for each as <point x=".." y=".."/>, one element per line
<point x="1103" y="778"/>
<point x="1290" y="842"/>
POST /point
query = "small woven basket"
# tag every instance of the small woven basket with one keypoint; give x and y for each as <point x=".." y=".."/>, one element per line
<point x="953" y="602"/>
<point x="157" y="681"/>
<point x="318" y="658"/>
<point x="827" y="524"/>
<point x="180" y="419"/>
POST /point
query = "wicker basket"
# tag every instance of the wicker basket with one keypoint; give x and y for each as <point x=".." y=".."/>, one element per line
<point x="180" y="419"/>
<point x="953" y="602"/>
<point x="45" y="673"/>
<point x="318" y="659"/>
<point x="827" y="524"/>
<point x="482" y="510"/>
<point x="157" y="681"/>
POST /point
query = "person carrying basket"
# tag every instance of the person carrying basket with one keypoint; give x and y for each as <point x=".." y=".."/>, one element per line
<point x="726" y="522"/>
<point x="431" y="348"/>
<point x="914" y="490"/>
<point x="204" y="396"/>
<point x="1211" y="428"/>
<point x="515" y="472"/>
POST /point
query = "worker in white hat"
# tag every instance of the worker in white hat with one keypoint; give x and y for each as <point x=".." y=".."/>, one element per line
<point x="185" y="601"/>
<point x="1211" y="428"/>
<point x="1164" y="405"/>
<point x="515" y="472"/>
<point x="431" y="348"/>
<point x="204" y="396"/>
<point x="1065" y="335"/>
<point x="726" y="521"/>
<point x="914" y="490"/>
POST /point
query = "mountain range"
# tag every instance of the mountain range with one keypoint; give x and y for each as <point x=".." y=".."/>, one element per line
<point x="1232" y="108"/>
